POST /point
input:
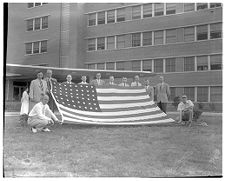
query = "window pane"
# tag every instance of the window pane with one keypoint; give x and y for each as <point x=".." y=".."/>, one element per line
<point x="121" y="41"/>
<point x="110" y="66"/>
<point x="120" y="65"/>
<point x="38" y="4"/>
<point x="101" y="18"/>
<point x="45" y="22"/>
<point x="30" y="25"/>
<point x="136" y="65"/>
<point x="190" y="92"/>
<point x="189" y="34"/>
<point x="36" y="47"/>
<point x="158" y="65"/>
<point x="147" y="10"/>
<point x="136" y="39"/>
<point x="202" y="32"/>
<point x="159" y="9"/>
<point x="111" y="16"/>
<point x="37" y="23"/>
<point x="147" y="38"/>
<point x="147" y="65"/>
<point x="101" y="43"/>
<point x="91" y="66"/>
<point x="28" y="47"/>
<point x="215" y="5"/>
<point x="215" y="30"/>
<point x="44" y="46"/>
<point x="30" y="5"/>
<point x="92" y="19"/>
<point x="189" y="64"/>
<point x="170" y="65"/>
<point x="202" y="63"/>
<point x="202" y="94"/>
<point x="136" y="12"/>
<point x="91" y="44"/>
<point x="216" y="62"/>
<point x="121" y="15"/>
<point x="158" y="37"/>
<point x="216" y="94"/>
<point x="171" y="36"/>
<point x="201" y="6"/>
<point x="189" y="7"/>
<point x="110" y="42"/>
<point x="171" y="8"/>
<point x="100" y="66"/>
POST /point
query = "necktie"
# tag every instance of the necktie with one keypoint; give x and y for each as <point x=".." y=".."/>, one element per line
<point x="48" y="83"/>
<point x="41" y="85"/>
<point x="124" y="84"/>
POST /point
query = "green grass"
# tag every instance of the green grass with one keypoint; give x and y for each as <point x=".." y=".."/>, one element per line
<point x="122" y="151"/>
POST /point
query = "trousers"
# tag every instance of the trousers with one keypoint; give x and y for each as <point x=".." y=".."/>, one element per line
<point x="162" y="106"/>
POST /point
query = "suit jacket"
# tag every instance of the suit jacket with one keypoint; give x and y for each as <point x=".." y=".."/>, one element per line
<point x="36" y="91"/>
<point x="122" y="85"/>
<point x="95" y="82"/>
<point x="111" y="84"/>
<point x="66" y="82"/>
<point x="82" y="83"/>
<point x="134" y="84"/>
<point x="150" y="91"/>
<point x="162" y="92"/>
<point x="47" y="81"/>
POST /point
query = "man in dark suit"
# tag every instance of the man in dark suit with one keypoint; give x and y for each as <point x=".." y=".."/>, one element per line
<point x="97" y="82"/>
<point x="69" y="80"/>
<point x="111" y="80"/>
<point x="163" y="93"/>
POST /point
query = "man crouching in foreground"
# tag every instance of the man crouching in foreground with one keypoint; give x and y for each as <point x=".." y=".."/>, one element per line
<point x="41" y="117"/>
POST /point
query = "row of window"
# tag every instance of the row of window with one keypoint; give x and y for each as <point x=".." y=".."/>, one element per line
<point x="36" y="47"/>
<point x="160" y="37"/>
<point x="39" y="23"/>
<point x="31" y="5"/>
<point x="160" y="65"/>
<point x="198" y="94"/>
<point x="144" y="11"/>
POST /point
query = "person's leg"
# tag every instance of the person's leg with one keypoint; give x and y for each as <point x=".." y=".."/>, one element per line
<point x="164" y="107"/>
<point x="186" y="117"/>
<point x="39" y="124"/>
<point x="159" y="104"/>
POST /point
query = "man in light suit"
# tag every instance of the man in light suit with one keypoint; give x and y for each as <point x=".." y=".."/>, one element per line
<point x="38" y="87"/>
<point x="162" y="92"/>
<point x="124" y="82"/>
<point x="97" y="82"/>
<point x="149" y="89"/>
<point x="136" y="82"/>
<point x="111" y="80"/>
<point x="84" y="78"/>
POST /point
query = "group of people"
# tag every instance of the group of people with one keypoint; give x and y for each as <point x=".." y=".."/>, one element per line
<point x="38" y="104"/>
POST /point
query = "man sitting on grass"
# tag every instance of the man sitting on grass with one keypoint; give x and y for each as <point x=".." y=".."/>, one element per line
<point x="185" y="108"/>
<point x="41" y="116"/>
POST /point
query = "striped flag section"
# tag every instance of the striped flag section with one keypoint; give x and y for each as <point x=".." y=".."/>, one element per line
<point x="106" y="105"/>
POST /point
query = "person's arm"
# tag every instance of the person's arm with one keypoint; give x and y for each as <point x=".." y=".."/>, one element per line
<point x="31" y="93"/>
<point x="168" y="90"/>
<point x="180" y="112"/>
<point x="52" y="114"/>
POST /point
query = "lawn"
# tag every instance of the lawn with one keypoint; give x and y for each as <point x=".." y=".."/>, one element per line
<point x="108" y="151"/>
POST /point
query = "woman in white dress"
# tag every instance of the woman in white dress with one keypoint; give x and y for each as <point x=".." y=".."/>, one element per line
<point x="24" y="103"/>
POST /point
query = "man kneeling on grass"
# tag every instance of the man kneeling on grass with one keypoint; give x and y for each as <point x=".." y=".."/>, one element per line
<point x="185" y="108"/>
<point x="41" y="117"/>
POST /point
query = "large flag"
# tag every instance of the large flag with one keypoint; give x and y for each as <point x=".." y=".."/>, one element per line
<point x="106" y="105"/>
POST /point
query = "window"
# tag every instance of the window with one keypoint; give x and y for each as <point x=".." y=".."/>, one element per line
<point x="38" y="4"/>
<point x="189" y="34"/>
<point x="202" y="32"/>
<point x="120" y="65"/>
<point x="91" y="44"/>
<point x="202" y="63"/>
<point x="36" y="47"/>
<point x="121" y="15"/>
<point x="110" y="42"/>
<point x="101" y="43"/>
<point x="171" y="8"/>
<point x="92" y="19"/>
<point x="215" y="62"/>
<point x="147" y="65"/>
<point x="45" y="22"/>
<point x="216" y="94"/>
<point x="158" y="37"/>
<point x="159" y="9"/>
<point x="136" y="65"/>
<point x="172" y="93"/>
<point x="189" y="64"/>
<point x="91" y="66"/>
<point x="136" y="39"/>
<point x="215" y="30"/>
<point x="110" y="66"/>
<point x="30" y="5"/>
<point x="111" y="16"/>
<point x="28" y="47"/>
<point x="30" y="25"/>
<point x="201" y="6"/>
<point x="43" y="46"/>
<point x="100" y="66"/>
<point x="215" y="5"/>
<point x="37" y="23"/>
<point x="158" y="65"/>
<point x="190" y="93"/>
<point x="189" y="7"/>
<point x="147" y="10"/>
<point x="170" y="65"/>
<point x="202" y="94"/>
<point x="136" y="12"/>
<point x="171" y="36"/>
<point x="121" y="41"/>
<point x="101" y="18"/>
<point x="147" y="38"/>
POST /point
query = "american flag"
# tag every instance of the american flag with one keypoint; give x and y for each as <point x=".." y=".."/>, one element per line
<point x="106" y="105"/>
